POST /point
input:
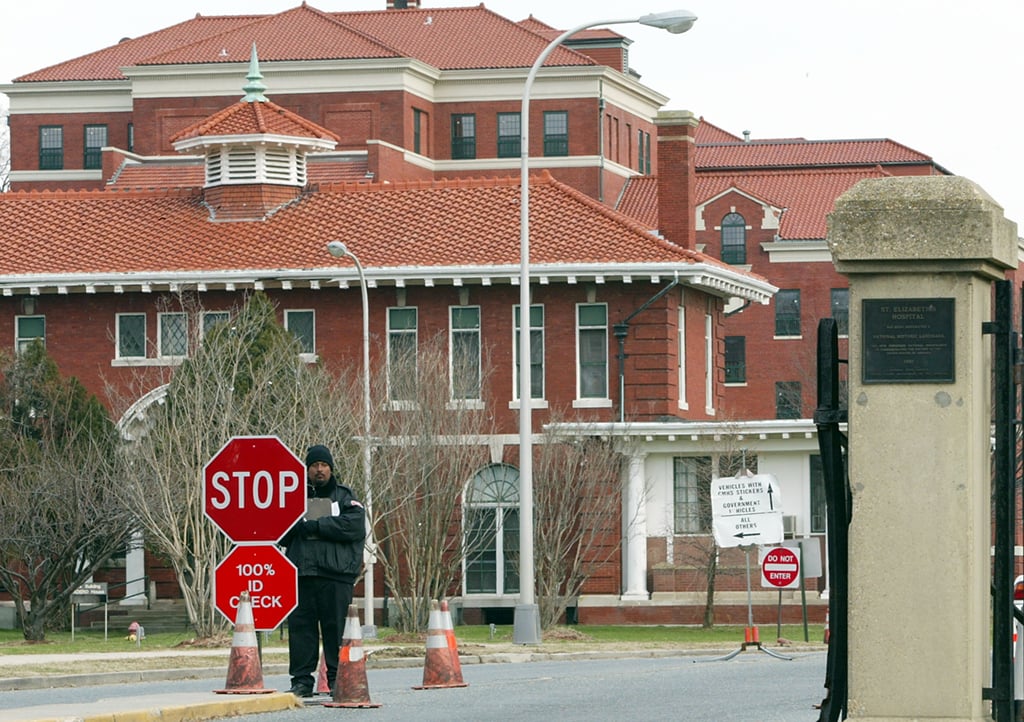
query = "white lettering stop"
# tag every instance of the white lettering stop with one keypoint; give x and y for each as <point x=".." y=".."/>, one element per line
<point x="261" y="489"/>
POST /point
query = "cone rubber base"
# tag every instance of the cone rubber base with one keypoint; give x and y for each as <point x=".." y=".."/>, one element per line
<point x="359" y="705"/>
<point x="441" y="686"/>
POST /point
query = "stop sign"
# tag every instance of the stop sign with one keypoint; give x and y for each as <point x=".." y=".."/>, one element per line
<point x="268" y="575"/>
<point x="781" y="567"/>
<point x="254" y="489"/>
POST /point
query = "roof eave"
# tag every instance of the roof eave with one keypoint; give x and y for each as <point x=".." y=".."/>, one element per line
<point x="714" y="280"/>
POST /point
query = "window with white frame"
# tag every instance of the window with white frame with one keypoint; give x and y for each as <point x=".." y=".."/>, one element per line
<point x="691" y="485"/>
<point x="734" y="239"/>
<point x="302" y="325"/>
<point x="131" y="335"/>
<point x="592" y="351"/>
<point x="735" y="359"/>
<point x="27" y="330"/>
<point x="787" y="312"/>
<point x="172" y="335"/>
<point x="213" y="318"/>
<point x="402" y="344"/>
<point x="536" y="352"/>
<point x="841" y="310"/>
<point x="464" y="352"/>
<point x="491" y="531"/>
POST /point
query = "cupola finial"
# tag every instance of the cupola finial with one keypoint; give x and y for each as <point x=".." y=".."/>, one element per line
<point x="254" y="88"/>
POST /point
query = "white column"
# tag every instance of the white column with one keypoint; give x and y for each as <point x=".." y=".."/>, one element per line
<point x="635" y="523"/>
<point x="135" y="571"/>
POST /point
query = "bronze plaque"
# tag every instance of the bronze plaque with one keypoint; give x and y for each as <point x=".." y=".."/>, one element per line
<point x="908" y="340"/>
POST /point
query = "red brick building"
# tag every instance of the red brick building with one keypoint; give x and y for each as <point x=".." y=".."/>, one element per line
<point x="407" y="147"/>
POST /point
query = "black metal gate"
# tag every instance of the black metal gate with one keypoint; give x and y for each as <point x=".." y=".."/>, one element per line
<point x="832" y="444"/>
<point x="1006" y="471"/>
<point x="1006" y="389"/>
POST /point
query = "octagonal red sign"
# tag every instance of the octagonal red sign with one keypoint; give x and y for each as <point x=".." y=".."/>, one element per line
<point x="254" y="489"/>
<point x="267" y="574"/>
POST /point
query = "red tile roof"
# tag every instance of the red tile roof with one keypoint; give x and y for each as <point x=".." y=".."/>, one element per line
<point x="804" y="176"/>
<point x="709" y="133"/>
<point x="464" y="227"/>
<point x="255" y="118"/>
<point x="803" y="153"/>
<point x="302" y="33"/>
<point x="639" y="199"/>
<point x="808" y="195"/>
<point x="447" y="38"/>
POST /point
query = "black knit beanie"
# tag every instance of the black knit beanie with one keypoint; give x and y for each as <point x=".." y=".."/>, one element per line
<point x="319" y="453"/>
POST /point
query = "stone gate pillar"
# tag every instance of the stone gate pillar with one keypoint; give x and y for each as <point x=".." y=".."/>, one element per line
<point x="921" y="254"/>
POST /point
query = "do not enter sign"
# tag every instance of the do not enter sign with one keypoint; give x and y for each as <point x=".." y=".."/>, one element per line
<point x="254" y="489"/>
<point x="781" y="568"/>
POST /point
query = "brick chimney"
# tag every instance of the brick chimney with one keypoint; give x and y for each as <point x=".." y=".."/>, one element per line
<point x="677" y="176"/>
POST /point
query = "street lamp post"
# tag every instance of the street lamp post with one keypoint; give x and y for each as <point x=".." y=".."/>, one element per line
<point x="339" y="250"/>
<point x="526" y="624"/>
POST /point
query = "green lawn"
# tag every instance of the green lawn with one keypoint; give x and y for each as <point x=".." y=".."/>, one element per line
<point x="11" y="641"/>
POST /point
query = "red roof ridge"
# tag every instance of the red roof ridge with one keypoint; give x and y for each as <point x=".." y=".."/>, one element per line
<point x="78" y="194"/>
<point x="424" y="184"/>
<point x="206" y="125"/>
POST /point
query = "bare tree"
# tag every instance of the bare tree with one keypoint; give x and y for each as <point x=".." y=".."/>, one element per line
<point x="244" y="378"/>
<point x="59" y="512"/>
<point x="430" y="445"/>
<point x="577" y="504"/>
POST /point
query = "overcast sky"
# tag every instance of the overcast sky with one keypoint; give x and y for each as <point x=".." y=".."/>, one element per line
<point x="942" y="77"/>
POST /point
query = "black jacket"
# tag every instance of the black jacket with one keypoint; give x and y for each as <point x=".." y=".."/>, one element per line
<point x="331" y="546"/>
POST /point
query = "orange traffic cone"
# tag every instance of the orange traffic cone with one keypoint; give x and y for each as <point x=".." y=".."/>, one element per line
<point x="438" y="668"/>
<point x="828" y="636"/>
<point x="449" y="634"/>
<point x="245" y="672"/>
<point x="322" y="685"/>
<point x="350" y="686"/>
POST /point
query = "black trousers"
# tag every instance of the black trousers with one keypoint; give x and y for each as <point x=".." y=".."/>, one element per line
<point x="322" y="610"/>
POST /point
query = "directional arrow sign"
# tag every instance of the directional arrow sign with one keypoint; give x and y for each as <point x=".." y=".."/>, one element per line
<point x="746" y="509"/>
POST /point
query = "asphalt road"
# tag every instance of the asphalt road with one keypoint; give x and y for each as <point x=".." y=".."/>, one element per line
<point x="751" y="687"/>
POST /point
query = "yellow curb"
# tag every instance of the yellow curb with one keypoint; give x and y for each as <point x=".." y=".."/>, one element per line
<point x="194" y="712"/>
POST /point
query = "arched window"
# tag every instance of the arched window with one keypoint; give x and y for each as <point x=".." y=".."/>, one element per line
<point x="491" y="531"/>
<point x="734" y="239"/>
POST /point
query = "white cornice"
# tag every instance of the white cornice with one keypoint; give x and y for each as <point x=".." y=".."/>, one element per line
<point x="761" y="435"/>
<point x="712" y="279"/>
<point x="70" y="96"/>
<point x="334" y="76"/>
<point x="55" y="176"/>
<point x="815" y="251"/>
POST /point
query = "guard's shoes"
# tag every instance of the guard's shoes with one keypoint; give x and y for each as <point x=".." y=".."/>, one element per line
<point x="301" y="690"/>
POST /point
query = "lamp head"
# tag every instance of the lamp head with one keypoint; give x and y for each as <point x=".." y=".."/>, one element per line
<point x="675" y="21"/>
<point x="337" y="249"/>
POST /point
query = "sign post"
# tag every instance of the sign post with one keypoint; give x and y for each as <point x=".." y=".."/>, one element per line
<point x="746" y="509"/>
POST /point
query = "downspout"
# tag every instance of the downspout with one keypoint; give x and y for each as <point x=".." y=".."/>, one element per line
<point x="621" y="331"/>
<point x="600" y="142"/>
